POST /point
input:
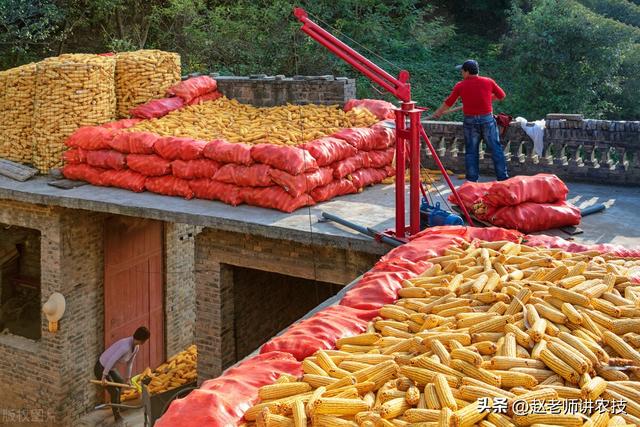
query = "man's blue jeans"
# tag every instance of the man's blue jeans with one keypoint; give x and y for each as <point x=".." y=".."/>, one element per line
<point x="485" y="127"/>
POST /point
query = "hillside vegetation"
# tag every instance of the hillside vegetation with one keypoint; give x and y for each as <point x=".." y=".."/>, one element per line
<point x="574" y="56"/>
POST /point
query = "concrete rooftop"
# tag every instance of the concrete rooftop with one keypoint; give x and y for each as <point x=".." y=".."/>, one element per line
<point x="373" y="208"/>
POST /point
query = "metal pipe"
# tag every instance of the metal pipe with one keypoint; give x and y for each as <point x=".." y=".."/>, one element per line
<point x="592" y="209"/>
<point x="364" y="230"/>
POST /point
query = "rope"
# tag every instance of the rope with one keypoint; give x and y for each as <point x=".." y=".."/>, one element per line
<point x="316" y="18"/>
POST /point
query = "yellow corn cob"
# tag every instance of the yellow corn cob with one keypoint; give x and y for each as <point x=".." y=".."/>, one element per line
<point x="468" y="356"/>
<point x="393" y="408"/>
<point x="559" y="367"/>
<point x="332" y="421"/>
<point x="278" y="391"/>
<point x="574" y="359"/>
<point x="621" y="347"/>
<point x="477" y="373"/>
<point x="570" y="296"/>
<point x="444" y="393"/>
<point x="516" y="379"/>
<point x="339" y="406"/>
<point x="469" y="415"/>
<point x="421" y="415"/>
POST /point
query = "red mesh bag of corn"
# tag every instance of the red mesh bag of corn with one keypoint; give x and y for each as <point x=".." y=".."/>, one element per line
<point x="206" y="97"/>
<point x="169" y="186"/>
<point x="320" y="331"/>
<point x="380" y="158"/>
<point x="83" y="172"/>
<point x="365" y="139"/>
<point x="289" y="159"/>
<point x="193" y="87"/>
<point x="349" y="165"/>
<point x="540" y="188"/>
<point x="335" y="188"/>
<point x="470" y="192"/>
<point x="134" y="142"/>
<point x="90" y="138"/>
<point x="199" y="168"/>
<point x="367" y="176"/>
<point x="379" y="108"/>
<point x="157" y="108"/>
<point x="275" y="197"/>
<point x="173" y="148"/>
<point x="228" y="152"/>
<point x="121" y="124"/>
<point x="223" y="401"/>
<point x="149" y="164"/>
<point x="74" y="156"/>
<point x="530" y="217"/>
<point x="247" y="176"/>
<point x="297" y="185"/>
<point x="209" y="189"/>
<point x="328" y="150"/>
<point x="108" y="159"/>
<point x="127" y="179"/>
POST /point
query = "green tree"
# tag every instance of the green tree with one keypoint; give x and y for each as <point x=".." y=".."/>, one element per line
<point x="565" y="60"/>
<point x="27" y="28"/>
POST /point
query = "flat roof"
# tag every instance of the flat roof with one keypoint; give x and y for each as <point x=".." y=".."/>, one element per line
<point x="374" y="207"/>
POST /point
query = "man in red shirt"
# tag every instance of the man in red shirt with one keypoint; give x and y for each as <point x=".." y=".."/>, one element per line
<point x="477" y="93"/>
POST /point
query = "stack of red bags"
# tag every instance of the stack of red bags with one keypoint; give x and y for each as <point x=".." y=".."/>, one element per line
<point x="524" y="203"/>
<point x="285" y="178"/>
<point x="189" y="92"/>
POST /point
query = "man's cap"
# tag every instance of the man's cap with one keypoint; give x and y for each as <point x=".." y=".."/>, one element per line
<point x="470" y="65"/>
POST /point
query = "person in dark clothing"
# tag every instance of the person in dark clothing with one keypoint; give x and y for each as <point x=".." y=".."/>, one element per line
<point x="477" y="94"/>
<point x="122" y="351"/>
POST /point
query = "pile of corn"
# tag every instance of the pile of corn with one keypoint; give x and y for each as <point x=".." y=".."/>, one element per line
<point x="16" y="109"/>
<point x="477" y="340"/>
<point x="71" y="91"/>
<point x="236" y="122"/>
<point x="175" y="372"/>
<point x="144" y="75"/>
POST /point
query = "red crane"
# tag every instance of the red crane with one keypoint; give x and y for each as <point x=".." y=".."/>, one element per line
<point x="408" y="127"/>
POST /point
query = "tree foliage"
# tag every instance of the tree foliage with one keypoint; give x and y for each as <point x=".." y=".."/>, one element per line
<point x="549" y="55"/>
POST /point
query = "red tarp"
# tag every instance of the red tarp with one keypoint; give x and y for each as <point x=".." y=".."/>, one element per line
<point x="320" y="331"/>
<point x="222" y="402"/>
<point x="228" y="152"/>
<point x="289" y="159"/>
<point x="157" y="108"/>
<point x="149" y="164"/>
<point x="193" y="87"/>
<point x="174" y="148"/>
<point x="328" y="150"/>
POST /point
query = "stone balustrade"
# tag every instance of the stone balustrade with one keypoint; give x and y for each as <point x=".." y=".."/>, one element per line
<point x="574" y="149"/>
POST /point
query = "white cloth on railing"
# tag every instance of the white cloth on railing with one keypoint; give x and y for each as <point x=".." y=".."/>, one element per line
<point x="535" y="130"/>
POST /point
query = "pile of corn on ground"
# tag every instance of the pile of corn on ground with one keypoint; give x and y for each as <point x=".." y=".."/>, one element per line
<point x="175" y="372"/>
<point x="282" y="125"/>
<point x="494" y="334"/>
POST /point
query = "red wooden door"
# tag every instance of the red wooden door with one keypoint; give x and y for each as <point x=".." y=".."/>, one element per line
<point x="133" y="285"/>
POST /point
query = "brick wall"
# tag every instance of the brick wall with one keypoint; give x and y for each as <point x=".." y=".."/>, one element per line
<point x="576" y="150"/>
<point x="267" y="91"/>
<point x="44" y="374"/>
<point x="180" y="295"/>
<point x="266" y="303"/>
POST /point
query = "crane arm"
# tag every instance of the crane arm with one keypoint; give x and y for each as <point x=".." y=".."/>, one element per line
<point x="398" y="87"/>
